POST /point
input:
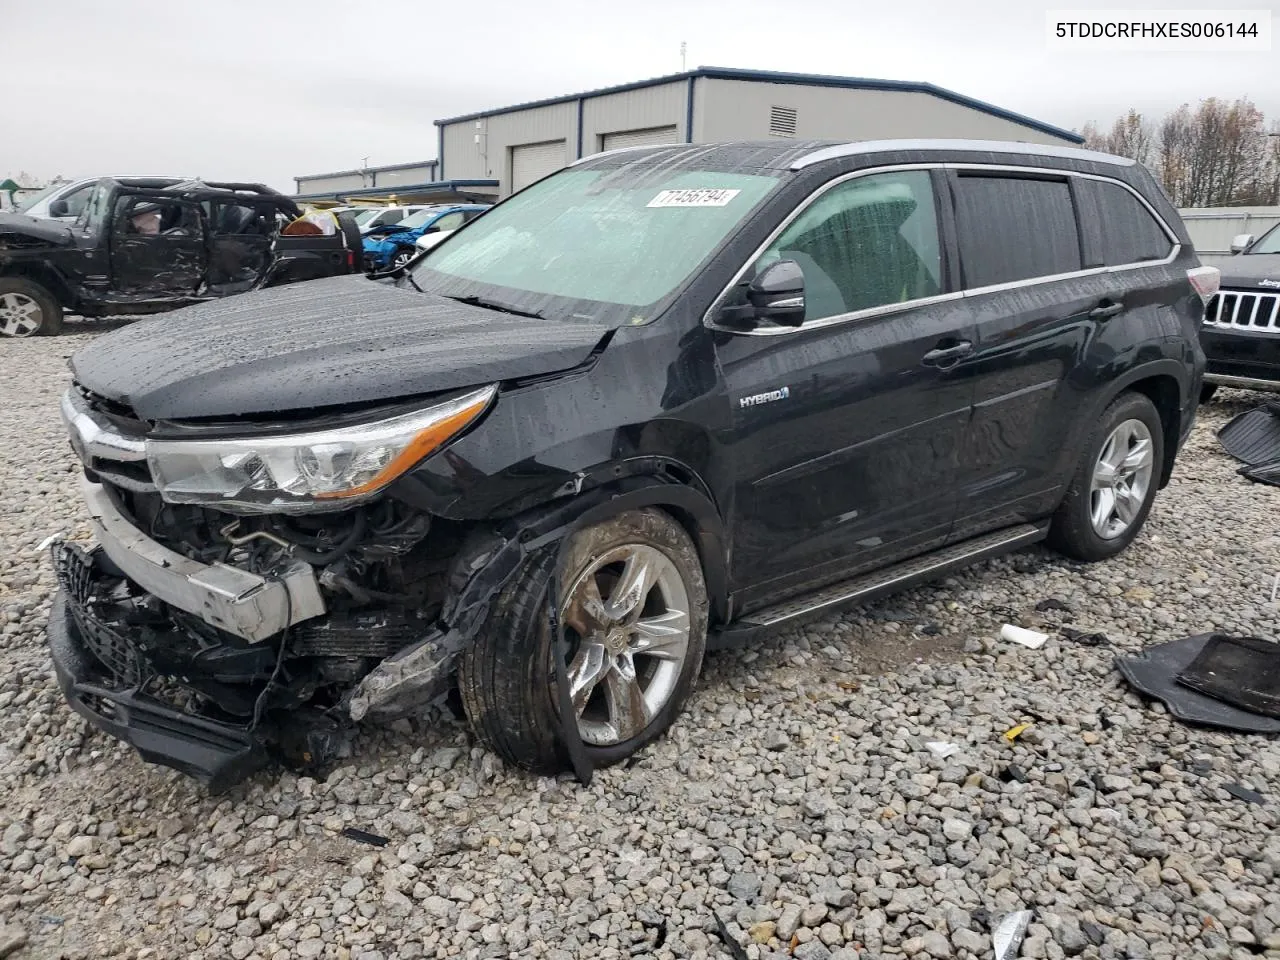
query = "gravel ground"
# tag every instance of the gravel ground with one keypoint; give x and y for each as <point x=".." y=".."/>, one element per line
<point x="793" y="808"/>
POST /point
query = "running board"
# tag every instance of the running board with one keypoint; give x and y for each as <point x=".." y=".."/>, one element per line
<point x="871" y="586"/>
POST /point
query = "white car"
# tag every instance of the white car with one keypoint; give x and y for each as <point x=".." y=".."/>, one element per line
<point x="66" y="199"/>
<point x="429" y="240"/>
<point x="371" y="217"/>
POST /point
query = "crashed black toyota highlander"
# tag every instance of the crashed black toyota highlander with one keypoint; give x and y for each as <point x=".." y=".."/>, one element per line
<point x="691" y="393"/>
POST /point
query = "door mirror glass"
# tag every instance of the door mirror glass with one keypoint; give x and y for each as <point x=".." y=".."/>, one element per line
<point x="59" y="208"/>
<point x="777" y="293"/>
<point x="1239" y="243"/>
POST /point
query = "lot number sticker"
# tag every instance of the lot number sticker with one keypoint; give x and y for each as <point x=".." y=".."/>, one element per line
<point x="693" y="197"/>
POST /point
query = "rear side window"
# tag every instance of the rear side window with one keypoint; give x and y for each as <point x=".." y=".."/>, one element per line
<point x="1118" y="229"/>
<point x="1014" y="228"/>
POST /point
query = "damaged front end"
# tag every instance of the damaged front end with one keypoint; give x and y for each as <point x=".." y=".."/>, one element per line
<point x="215" y="641"/>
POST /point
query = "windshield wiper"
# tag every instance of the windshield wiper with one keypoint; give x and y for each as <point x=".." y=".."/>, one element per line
<point x="488" y="304"/>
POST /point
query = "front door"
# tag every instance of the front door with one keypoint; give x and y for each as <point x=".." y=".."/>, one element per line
<point x="846" y="429"/>
<point x="157" y="247"/>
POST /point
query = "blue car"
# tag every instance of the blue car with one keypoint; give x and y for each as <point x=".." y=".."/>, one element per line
<point x="392" y="245"/>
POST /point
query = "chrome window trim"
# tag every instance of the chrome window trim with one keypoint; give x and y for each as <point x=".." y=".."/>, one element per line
<point x="854" y="148"/>
<point x="888" y="308"/>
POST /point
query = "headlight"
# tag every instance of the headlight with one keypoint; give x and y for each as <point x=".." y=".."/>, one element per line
<point x="305" y="472"/>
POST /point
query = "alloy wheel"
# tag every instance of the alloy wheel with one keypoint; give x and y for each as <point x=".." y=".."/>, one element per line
<point x="627" y="617"/>
<point x="20" y="316"/>
<point x="1121" y="479"/>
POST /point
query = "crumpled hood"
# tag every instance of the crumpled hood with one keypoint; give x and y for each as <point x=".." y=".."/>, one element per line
<point x="342" y="340"/>
<point x="50" y="231"/>
<point x="1247" y="270"/>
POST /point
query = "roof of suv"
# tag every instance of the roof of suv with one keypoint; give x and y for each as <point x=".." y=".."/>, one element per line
<point x="798" y="154"/>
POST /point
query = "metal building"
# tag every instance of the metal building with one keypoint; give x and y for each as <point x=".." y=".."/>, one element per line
<point x="520" y="144"/>
<point x="398" y="183"/>
<point x="400" y="174"/>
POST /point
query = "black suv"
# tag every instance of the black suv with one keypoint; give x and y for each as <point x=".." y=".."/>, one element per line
<point x="691" y="393"/>
<point x="1241" y="333"/>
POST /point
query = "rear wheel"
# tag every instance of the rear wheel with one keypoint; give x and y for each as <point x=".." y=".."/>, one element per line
<point x="1207" y="391"/>
<point x="28" y="309"/>
<point x="634" y="608"/>
<point x="1115" y="484"/>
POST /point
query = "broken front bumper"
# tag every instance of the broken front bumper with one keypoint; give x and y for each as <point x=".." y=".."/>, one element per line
<point x="216" y="754"/>
<point x="235" y="600"/>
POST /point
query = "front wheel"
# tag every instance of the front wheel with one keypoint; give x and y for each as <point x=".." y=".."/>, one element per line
<point x="402" y="258"/>
<point x="1115" y="484"/>
<point x="28" y="309"/>
<point x="633" y="603"/>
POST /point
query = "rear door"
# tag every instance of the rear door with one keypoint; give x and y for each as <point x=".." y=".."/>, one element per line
<point x="157" y="247"/>
<point x="846" y="429"/>
<point x="239" y="245"/>
<point x="1039" y="292"/>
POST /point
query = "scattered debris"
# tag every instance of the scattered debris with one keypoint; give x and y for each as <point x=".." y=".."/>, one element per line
<point x="1241" y="671"/>
<point x="1253" y="437"/>
<point x="931" y="630"/>
<point x="50" y="919"/>
<point x="1155" y="673"/>
<point x="362" y="836"/>
<point x="729" y="938"/>
<point x="1088" y="638"/>
<point x="1241" y="792"/>
<point x="1268" y="473"/>
<point x="1027" y="638"/>
<point x="942" y="749"/>
<point x="1013" y="733"/>
<point x="1008" y="934"/>
<point x="1052" y="603"/>
<point x="1013" y="773"/>
<point x="48" y="541"/>
<point x="849" y="685"/>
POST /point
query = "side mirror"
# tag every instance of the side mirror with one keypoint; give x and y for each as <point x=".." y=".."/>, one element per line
<point x="777" y="293"/>
<point x="1241" y="242"/>
<point x="59" y="208"/>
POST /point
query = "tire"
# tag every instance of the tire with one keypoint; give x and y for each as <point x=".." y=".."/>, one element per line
<point x="1078" y="529"/>
<point x="28" y="309"/>
<point x="1207" y="391"/>
<point x="505" y="679"/>
<point x="352" y="240"/>
<point x="401" y="257"/>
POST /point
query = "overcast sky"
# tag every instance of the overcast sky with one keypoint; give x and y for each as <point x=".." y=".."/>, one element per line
<point x="274" y="88"/>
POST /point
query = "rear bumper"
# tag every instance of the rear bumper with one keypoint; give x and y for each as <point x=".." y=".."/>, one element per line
<point x="217" y="755"/>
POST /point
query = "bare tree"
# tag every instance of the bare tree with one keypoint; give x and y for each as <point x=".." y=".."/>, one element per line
<point x="1216" y="155"/>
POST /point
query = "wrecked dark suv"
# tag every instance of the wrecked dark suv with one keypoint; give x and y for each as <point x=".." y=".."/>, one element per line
<point x="667" y="399"/>
<point x="143" y="246"/>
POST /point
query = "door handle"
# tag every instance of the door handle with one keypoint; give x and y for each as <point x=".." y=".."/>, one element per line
<point x="947" y="356"/>
<point x="1105" y="311"/>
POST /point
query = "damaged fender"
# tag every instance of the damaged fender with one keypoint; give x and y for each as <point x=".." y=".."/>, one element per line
<point x="422" y="672"/>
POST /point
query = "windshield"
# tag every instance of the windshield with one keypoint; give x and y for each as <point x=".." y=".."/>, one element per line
<point x="29" y="202"/>
<point x="1269" y="242"/>
<point x="364" y="216"/>
<point x="605" y="245"/>
<point x="418" y="219"/>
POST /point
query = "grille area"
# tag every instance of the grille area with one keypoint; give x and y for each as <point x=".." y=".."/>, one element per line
<point x="1240" y="310"/>
<point x="115" y="651"/>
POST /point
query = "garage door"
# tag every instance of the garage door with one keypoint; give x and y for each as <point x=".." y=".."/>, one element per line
<point x="533" y="161"/>
<point x="638" y="138"/>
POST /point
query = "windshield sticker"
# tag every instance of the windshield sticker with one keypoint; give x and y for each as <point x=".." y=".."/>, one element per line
<point x="693" y="197"/>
